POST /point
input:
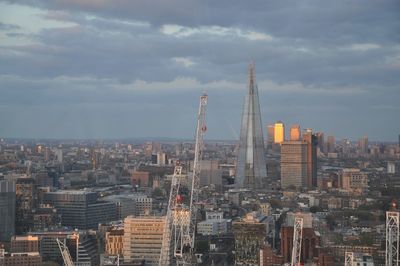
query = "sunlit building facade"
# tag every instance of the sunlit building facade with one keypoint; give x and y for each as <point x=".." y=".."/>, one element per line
<point x="279" y="132"/>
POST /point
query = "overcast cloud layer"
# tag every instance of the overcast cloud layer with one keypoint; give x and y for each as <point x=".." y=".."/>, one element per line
<point x="117" y="69"/>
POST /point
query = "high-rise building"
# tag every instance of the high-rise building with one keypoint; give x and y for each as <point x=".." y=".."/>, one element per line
<point x="270" y="134"/>
<point x="143" y="239"/>
<point x="330" y="144"/>
<point x="251" y="168"/>
<point x="321" y="142"/>
<point x="279" y="132"/>
<point x="294" y="164"/>
<point x="363" y="145"/>
<point x="25" y="190"/>
<point x="7" y="210"/>
<point x="312" y="142"/>
<point x="295" y="132"/>
<point x="81" y="209"/>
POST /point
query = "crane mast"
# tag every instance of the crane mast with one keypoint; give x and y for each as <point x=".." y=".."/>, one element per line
<point x="297" y="239"/>
<point x="166" y="247"/>
<point x="189" y="235"/>
<point x="180" y="222"/>
<point x="392" y="238"/>
<point x="65" y="253"/>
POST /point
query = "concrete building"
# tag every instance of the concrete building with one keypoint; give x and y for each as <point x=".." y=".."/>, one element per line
<point x="211" y="173"/>
<point x="131" y="204"/>
<point x="82" y="246"/>
<point x="20" y="244"/>
<point x="140" y="178"/>
<point x="25" y="191"/>
<point x="310" y="240"/>
<point x="270" y="134"/>
<point x="363" y="145"/>
<point x="279" y="132"/>
<point x="312" y="143"/>
<point x="330" y="144"/>
<point x="353" y="179"/>
<point x="251" y="168"/>
<point x="295" y="132"/>
<point x="7" y="210"/>
<point x="212" y="227"/>
<point x="143" y="239"/>
<point x="22" y="258"/>
<point x="114" y="242"/>
<point x="364" y="259"/>
<point x="215" y="224"/>
<point x="293" y="164"/>
<point x="81" y="209"/>
<point x="269" y="258"/>
<point x="250" y="234"/>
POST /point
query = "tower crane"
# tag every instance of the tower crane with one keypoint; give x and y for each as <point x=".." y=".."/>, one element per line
<point x="180" y="224"/>
<point x="297" y="239"/>
<point x="65" y="253"/>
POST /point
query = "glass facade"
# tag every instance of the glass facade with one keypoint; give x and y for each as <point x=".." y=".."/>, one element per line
<point x="251" y="170"/>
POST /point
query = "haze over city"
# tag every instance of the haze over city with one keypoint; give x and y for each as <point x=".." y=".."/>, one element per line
<point x="126" y="69"/>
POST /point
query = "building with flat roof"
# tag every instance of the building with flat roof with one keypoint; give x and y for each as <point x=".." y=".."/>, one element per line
<point x="27" y="243"/>
<point x="293" y="164"/>
<point x="81" y="209"/>
<point x="7" y="210"/>
<point x="143" y="239"/>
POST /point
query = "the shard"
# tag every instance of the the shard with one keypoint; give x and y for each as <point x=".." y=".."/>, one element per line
<point x="251" y="169"/>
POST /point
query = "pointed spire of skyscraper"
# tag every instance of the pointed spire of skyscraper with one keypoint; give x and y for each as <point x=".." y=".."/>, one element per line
<point x="251" y="170"/>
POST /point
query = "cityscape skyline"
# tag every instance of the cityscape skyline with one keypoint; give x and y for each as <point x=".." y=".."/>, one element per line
<point x="76" y="70"/>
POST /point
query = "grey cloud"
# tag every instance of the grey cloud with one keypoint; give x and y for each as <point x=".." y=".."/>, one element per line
<point x="333" y="46"/>
<point x="7" y="27"/>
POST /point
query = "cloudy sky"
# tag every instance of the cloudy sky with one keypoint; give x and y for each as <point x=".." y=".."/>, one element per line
<point x="122" y="68"/>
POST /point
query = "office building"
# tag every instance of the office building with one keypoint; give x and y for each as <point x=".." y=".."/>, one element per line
<point x="330" y="144"/>
<point x="114" y="242"/>
<point x="143" y="239"/>
<point x="321" y="142"/>
<point x="363" y="145"/>
<point x="82" y="245"/>
<point x="215" y="224"/>
<point x="294" y="164"/>
<point x="353" y="179"/>
<point x="211" y="173"/>
<point x="25" y="190"/>
<point x="251" y="168"/>
<point x="270" y="134"/>
<point x="312" y="142"/>
<point x="81" y="209"/>
<point x="22" y="258"/>
<point x="250" y="234"/>
<point x="295" y="133"/>
<point x="20" y="244"/>
<point x="7" y="210"/>
<point x="279" y="132"/>
<point x="131" y="204"/>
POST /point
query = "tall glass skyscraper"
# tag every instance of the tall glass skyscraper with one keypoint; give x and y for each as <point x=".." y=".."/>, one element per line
<point x="251" y="169"/>
<point x="7" y="210"/>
